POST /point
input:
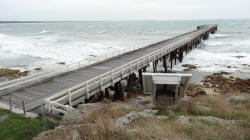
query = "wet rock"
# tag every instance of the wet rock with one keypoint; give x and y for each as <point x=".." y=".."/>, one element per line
<point x="38" y="69"/>
<point x="239" y="57"/>
<point x="189" y="66"/>
<point x="225" y="84"/>
<point x="61" y="63"/>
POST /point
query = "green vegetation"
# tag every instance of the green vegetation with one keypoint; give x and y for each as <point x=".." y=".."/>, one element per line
<point x="18" y="127"/>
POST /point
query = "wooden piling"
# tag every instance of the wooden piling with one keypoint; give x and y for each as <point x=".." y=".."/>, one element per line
<point x="140" y="78"/>
<point x="171" y="59"/>
<point x="175" y="57"/>
<point x="165" y="63"/>
<point x="119" y="91"/>
<point x="106" y="94"/>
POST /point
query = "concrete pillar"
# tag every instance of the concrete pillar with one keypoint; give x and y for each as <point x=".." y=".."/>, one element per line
<point x="154" y="94"/>
<point x="176" y="94"/>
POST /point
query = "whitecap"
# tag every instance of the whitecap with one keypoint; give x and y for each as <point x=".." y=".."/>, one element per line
<point x="102" y="32"/>
<point x="45" y="32"/>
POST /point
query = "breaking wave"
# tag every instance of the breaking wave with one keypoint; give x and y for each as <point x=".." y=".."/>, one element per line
<point x="219" y="36"/>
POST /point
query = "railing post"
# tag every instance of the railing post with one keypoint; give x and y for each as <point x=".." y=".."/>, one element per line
<point x="24" y="111"/>
<point x="113" y="82"/>
<point x="44" y="118"/>
<point x="137" y="66"/>
<point x="122" y="71"/>
<point x="87" y="89"/>
<point x="10" y="102"/>
<point x="70" y="100"/>
<point x="101" y="83"/>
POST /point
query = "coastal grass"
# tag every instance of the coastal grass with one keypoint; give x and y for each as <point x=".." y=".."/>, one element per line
<point x="18" y="127"/>
<point x="204" y="128"/>
<point x="100" y="124"/>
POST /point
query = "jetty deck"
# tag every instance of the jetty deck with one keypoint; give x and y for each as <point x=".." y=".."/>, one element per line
<point x="71" y="88"/>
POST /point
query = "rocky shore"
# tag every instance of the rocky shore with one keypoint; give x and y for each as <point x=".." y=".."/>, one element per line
<point x="216" y="107"/>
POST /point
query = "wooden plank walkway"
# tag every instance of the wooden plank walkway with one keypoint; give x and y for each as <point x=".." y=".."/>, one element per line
<point x="33" y="96"/>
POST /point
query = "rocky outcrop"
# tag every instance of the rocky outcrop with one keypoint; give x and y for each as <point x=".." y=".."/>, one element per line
<point x="195" y="90"/>
<point x="189" y="67"/>
<point x="223" y="83"/>
<point x="147" y="113"/>
<point x="12" y="73"/>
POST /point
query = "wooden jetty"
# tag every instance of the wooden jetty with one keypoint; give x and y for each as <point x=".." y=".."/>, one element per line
<point x="63" y="91"/>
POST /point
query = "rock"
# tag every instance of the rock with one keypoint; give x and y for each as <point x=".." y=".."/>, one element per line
<point x="218" y="120"/>
<point x="61" y="63"/>
<point x="12" y="74"/>
<point x="202" y="108"/>
<point x="125" y="120"/>
<point x="162" y="117"/>
<point x="75" y="135"/>
<point x="189" y="66"/>
<point x="5" y="72"/>
<point x="184" y="120"/>
<point x="239" y="57"/>
<point x="234" y="99"/>
<point x="38" y="69"/>
<point x="201" y="92"/>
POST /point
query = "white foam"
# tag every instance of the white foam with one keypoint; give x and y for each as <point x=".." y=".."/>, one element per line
<point x="215" y="62"/>
<point x="218" y="35"/>
<point x="50" y="51"/>
<point x="45" y="32"/>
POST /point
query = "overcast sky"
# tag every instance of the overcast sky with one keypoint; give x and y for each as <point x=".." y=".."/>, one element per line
<point x="123" y="9"/>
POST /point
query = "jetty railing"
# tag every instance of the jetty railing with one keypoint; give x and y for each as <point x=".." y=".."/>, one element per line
<point x="57" y="70"/>
<point x="63" y="101"/>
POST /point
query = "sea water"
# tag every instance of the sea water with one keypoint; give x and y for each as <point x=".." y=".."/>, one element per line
<point x="27" y="46"/>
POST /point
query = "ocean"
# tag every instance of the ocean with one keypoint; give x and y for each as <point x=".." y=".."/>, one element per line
<point x="26" y="46"/>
